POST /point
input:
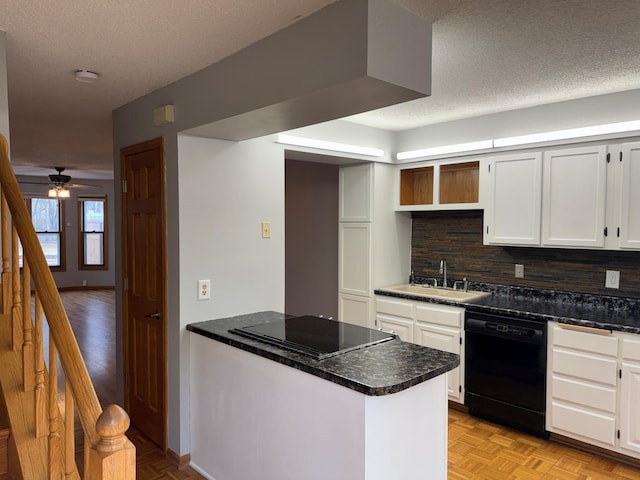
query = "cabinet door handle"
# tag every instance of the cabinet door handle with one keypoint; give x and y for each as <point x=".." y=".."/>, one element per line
<point x="580" y="328"/>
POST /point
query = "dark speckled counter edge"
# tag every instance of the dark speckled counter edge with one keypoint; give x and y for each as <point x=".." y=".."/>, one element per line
<point x="623" y="314"/>
<point x="433" y="362"/>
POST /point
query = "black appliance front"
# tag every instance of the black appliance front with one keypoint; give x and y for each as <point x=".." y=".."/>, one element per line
<point x="505" y="371"/>
<point x="316" y="337"/>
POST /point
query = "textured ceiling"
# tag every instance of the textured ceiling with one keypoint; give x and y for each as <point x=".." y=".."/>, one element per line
<point x="488" y="56"/>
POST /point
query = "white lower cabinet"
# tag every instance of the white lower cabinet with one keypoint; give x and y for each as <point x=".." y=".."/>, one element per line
<point x="431" y="325"/>
<point x="630" y="394"/>
<point x="593" y="387"/>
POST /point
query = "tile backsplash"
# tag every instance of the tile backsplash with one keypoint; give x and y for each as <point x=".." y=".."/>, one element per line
<point x="456" y="237"/>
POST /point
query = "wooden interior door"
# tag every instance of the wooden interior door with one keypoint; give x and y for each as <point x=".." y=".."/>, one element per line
<point x="144" y="269"/>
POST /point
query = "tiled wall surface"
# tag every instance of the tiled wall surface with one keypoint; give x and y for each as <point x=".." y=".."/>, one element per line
<point x="457" y="238"/>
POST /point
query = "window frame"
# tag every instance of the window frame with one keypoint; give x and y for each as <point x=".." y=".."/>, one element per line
<point x="61" y="232"/>
<point x="81" y="233"/>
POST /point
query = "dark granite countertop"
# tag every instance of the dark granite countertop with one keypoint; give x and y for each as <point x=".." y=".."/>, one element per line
<point x="604" y="312"/>
<point x="377" y="370"/>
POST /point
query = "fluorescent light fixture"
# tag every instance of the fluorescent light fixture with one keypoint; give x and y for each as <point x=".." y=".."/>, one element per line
<point x="331" y="146"/>
<point x="566" y="134"/>
<point x="445" y="150"/>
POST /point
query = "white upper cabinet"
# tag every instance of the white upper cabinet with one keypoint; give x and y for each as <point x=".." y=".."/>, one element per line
<point x="630" y="196"/>
<point x="356" y="190"/>
<point x="573" y="197"/>
<point x="354" y="262"/>
<point x="512" y="214"/>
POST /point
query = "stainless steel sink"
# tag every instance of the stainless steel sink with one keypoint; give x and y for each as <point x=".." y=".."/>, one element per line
<point x="435" y="292"/>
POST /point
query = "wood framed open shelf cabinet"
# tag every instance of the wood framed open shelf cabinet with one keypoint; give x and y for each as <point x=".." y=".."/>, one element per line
<point x="439" y="186"/>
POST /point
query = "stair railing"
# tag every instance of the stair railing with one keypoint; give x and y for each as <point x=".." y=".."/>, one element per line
<point x="108" y="453"/>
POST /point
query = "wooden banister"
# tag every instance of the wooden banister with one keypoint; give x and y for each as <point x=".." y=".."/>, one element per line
<point x="108" y="452"/>
<point x="88" y="405"/>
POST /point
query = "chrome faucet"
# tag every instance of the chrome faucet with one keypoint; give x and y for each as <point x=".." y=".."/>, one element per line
<point x="443" y="271"/>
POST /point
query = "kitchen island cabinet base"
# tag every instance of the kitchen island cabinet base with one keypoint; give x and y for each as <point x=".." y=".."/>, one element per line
<point x="253" y="418"/>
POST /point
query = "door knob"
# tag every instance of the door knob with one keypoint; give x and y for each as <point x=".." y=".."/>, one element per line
<point x="155" y="314"/>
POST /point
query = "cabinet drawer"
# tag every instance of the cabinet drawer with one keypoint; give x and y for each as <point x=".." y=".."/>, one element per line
<point x="631" y="348"/>
<point x="582" y="422"/>
<point x="395" y="307"/>
<point x="585" y="366"/>
<point x="589" y="395"/>
<point x="597" y="342"/>
<point x="400" y="326"/>
<point x="448" y="316"/>
<point x="440" y="338"/>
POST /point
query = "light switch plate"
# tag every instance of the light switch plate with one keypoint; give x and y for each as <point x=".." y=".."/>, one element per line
<point x="266" y="229"/>
<point x="612" y="279"/>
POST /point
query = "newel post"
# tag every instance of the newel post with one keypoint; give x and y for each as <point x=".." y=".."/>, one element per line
<point x="114" y="456"/>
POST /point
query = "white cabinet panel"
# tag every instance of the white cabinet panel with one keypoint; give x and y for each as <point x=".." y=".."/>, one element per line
<point x="398" y="308"/>
<point x="630" y="407"/>
<point x="400" y="326"/>
<point x="354" y="309"/>
<point x="594" y="396"/>
<point x="573" y="200"/>
<point x="591" y="341"/>
<point x="631" y="348"/>
<point x="355" y="258"/>
<point x="588" y="367"/>
<point x="512" y="215"/>
<point x="585" y="423"/>
<point x="356" y="190"/>
<point x="442" y="315"/>
<point x="630" y="196"/>
<point x="448" y="340"/>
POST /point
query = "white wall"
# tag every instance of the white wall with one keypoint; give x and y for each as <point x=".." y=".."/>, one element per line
<point x="583" y="112"/>
<point x="227" y="190"/>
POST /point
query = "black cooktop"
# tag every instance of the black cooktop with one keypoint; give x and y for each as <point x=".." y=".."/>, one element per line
<point x="317" y="337"/>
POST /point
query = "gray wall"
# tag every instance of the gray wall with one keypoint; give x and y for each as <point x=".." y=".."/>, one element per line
<point x="311" y="238"/>
<point x="249" y="81"/>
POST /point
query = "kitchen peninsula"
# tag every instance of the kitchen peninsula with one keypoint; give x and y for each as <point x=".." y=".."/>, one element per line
<point x="259" y="411"/>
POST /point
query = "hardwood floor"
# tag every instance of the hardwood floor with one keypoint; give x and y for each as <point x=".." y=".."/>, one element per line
<point x="477" y="449"/>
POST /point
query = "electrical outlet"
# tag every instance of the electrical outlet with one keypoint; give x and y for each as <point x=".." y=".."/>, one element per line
<point x="519" y="270"/>
<point x="612" y="279"/>
<point x="266" y="229"/>
<point x="204" y="289"/>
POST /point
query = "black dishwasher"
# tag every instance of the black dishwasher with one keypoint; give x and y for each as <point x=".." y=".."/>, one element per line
<point x="505" y="371"/>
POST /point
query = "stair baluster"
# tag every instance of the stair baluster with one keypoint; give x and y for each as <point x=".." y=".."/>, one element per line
<point x="40" y="389"/>
<point x="5" y="228"/>
<point x="16" y="308"/>
<point x="28" y="370"/>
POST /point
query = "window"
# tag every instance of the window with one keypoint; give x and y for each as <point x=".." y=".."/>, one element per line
<point x="47" y="217"/>
<point x="92" y="242"/>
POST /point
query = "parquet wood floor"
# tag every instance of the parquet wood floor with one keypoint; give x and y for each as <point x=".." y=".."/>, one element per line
<point x="477" y="449"/>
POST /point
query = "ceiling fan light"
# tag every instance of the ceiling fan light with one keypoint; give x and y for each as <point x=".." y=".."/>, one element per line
<point x="64" y="193"/>
<point x="53" y="192"/>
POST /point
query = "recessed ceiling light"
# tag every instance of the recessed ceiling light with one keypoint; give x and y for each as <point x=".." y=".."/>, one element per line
<point x="86" y="76"/>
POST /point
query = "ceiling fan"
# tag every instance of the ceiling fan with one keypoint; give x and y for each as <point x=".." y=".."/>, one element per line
<point x="59" y="184"/>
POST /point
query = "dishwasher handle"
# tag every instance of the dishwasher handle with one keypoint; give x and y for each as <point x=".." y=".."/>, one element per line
<point x="511" y="330"/>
